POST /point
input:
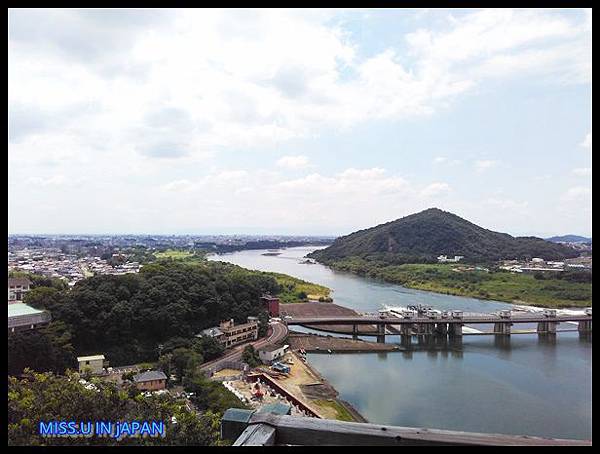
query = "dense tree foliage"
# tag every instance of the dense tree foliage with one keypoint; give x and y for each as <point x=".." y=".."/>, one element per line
<point x="126" y="317"/>
<point x="250" y="356"/>
<point x="46" y="397"/>
<point x="421" y="237"/>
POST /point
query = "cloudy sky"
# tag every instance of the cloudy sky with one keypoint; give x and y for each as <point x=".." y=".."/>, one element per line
<point x="298" y="122"/>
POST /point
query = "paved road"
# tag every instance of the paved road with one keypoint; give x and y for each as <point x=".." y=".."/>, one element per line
<point x="278" y="332"/>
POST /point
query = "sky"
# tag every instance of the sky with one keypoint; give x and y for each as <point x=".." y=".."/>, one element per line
<point x="312" y="122"/>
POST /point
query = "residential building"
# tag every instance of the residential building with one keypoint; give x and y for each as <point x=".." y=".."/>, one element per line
<point x="271" y="353"/>
<point x="152" y="380"/>
<point x="17" y="288"/>
<point x="230" y="334"/>
<point x="93" y="364"/>
<point x="22" y="317"/>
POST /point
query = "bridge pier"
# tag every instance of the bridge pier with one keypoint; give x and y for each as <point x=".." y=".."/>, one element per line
<point x="455" y="329"/>
<point x="381" y="333"/>
<point x="585" y="326"/>
<point x="405" y="330"/>
<point x="502" y="328"/>
<point x="546" y="327"/>
<point x="354" y="332"/>
<point x="441" y="329"/>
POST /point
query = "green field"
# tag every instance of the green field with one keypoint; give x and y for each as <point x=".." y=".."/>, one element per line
<point x="292" y="289"/>
<point x="342" y="414"/>
<point x="541" y="290"/>
<point x="173" y="254"/>
<point x="184" y="256"/>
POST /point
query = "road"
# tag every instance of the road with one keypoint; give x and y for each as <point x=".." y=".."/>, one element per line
<point x="279" y="331"/>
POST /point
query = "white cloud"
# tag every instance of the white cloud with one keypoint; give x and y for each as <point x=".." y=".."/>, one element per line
<point x="435" y="189"/>
<point x="138" y="103"/>
<point x="587" y="142"/>
<point x="179" y="186"/>
<point x="507" y="204"/>
<point x="485" y="164"/>
<point x="577" y="193"/>
<point x="293" y="162"/>
<point x="583" y="171"/>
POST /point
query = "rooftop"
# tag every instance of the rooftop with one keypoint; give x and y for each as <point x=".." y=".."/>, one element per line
<point x="212" y="332"/>
<point x="90" y="358"/>
<point x="149" y="376"/>
<point x="272" y="348"/>
<point x="14" y="281"/>
<point x="17" y="309"/>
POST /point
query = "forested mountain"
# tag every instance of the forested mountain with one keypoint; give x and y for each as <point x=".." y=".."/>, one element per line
<point x="422" y="237"/>
<point x="569" y="239"/>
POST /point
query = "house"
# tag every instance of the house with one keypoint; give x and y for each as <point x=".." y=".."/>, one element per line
<point x="17" y="288"/>
<point x="271" y="304"/>
<point x="93" y="364"/>
<point x="152" y="380"/>
<point x="272" y="352"/>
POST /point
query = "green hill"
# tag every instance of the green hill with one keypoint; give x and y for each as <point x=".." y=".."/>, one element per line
<point x="422" y="237"/>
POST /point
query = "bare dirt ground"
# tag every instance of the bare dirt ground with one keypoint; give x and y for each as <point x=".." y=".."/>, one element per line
<point x="314" y="343"/>
<point x="317" y="309"/>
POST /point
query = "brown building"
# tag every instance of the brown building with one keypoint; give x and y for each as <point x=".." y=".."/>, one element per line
<point x="152" y="380"/>
<point x="17" y="287"/>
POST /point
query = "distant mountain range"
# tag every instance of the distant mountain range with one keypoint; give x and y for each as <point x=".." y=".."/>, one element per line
<point x="423" y="236"/>
<point x="569" y="239"/>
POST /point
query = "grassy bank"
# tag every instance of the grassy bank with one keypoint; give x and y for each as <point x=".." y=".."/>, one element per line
<point x="341" y="413"/>
<point x="535" y="290"/>
<point x="294" y="290"/>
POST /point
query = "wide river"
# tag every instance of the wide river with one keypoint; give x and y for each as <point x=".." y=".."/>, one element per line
<point x="529" y="385"/>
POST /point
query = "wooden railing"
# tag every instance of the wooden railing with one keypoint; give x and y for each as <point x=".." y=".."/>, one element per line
<point x="252" y="428"/>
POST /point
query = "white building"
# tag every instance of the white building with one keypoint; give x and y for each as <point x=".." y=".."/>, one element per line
<point x="445" y="259"/>
<point x="270" y="353"/>
<point x="93" y="364"/>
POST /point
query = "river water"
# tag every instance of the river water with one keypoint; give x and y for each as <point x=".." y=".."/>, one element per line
<point x="529" y="385"/>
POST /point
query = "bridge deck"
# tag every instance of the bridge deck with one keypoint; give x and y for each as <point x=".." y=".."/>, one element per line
<point x="474" y="319"/>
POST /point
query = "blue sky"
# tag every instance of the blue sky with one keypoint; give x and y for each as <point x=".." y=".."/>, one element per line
<point x="298" y="122"/>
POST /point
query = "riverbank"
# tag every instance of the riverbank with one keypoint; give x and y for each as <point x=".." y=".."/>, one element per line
<point x="314" y="343"/>
<point x="537" y="290"/>
<point x="304" y="386"/>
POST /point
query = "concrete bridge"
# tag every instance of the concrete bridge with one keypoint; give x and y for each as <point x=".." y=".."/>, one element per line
<point x="452" y="325"/>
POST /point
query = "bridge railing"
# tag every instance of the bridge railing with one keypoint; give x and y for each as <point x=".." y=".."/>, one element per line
<point x="253" y="428"/>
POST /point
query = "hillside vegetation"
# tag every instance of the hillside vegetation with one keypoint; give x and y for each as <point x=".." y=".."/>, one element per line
<point x="570" y="289"/>
<point x="127" y="316"/>
<point x="422" y="237"/>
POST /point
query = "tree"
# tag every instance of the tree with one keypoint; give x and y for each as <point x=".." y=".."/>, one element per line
<point x="184" y="360"/>
<point x="250" y="356"/>
<point x="263" y="323"/>
<point x="47" y="397"/>
<point x="208" y="347"/>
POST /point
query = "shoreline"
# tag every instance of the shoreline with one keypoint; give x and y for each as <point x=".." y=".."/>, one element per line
<point x="452" y="292"/>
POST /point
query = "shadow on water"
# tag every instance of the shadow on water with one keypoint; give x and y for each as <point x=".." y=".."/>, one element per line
<point x="585" y="337"/>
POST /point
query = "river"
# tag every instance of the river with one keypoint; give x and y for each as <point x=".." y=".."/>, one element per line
<point x="529" y="385"/>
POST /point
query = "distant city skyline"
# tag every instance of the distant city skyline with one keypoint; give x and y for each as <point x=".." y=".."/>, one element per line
<point x="298" y="122"/>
